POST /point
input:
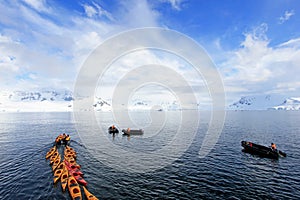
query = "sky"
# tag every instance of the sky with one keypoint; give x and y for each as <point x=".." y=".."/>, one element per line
<point x="255" y="44"/>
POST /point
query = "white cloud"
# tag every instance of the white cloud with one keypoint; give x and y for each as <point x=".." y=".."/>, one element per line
<point x="52" y="47"/>
<point x="89" y="10"/>
<point x="39" y="5"/>
<point x="287" y="15"/>
<point x="95" y="10"/>
<point x="4" y="39"/>
<point x="291" y="43"/>
<point x="138" y="13"/>
<point x="256" y="67"/>
<point x="176" y="4"/>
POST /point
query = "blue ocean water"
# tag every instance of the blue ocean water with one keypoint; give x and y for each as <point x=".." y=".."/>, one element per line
<point x="225" y="173"/>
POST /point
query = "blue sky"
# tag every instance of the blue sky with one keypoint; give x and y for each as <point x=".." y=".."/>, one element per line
<point x="254" y="44"/>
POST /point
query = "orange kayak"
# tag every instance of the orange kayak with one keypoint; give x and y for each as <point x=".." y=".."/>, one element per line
<point x="56" y="163"/>
<point x="57" y="175"/>
<point x="64" y="178"/>
<point x="61" y="165"/>
<point x="72" y="162"/>
<point x="50" y="152"/>
<point x="54" y="157"/>
<point x="58" y="139"/>
<point x="69" y="152"/>
<point x="89" y="195"/>
<point x="69" y="157"/>
<point x="74" y="188"/>
<point x="70" y="149"/>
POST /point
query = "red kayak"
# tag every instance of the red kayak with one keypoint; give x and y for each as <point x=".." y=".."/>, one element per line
<point x="72" y="168"/>
<point x="77" y="175"/>
<point x="79" y="179"/>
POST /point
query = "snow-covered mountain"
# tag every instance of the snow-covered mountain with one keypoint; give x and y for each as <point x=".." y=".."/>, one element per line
<point x="266" y="102"/>
<point x="36" y="101"/>
<point x="101" y="105"/>
<point x="138" y="104"/>
<point x="289" y="104"/>
<point x="62" y="101"/>
<point x="48" y="95"/>
<point x="258" y="102"/>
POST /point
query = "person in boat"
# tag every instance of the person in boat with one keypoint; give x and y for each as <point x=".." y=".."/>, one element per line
<point x="273" y="146"/>
<point x="128" y="130"/>
<point x="64" y="138"/>
<point x="58" y="140"/>
<point x="249" y="143"/>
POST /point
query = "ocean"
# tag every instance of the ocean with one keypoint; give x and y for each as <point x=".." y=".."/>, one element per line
<point x="225" y="173"/>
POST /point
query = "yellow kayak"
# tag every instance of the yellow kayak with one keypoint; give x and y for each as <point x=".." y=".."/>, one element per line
<point x="70" y="157"/>
<point x="56" y="163"/>
<point x="54" y="157"/>
<point x="57" y="175"/>
<point x="72" y="161"/>
<point x="61" y="165"/>
<point x="69" y="152"/>
<point x="50" y="152"/>
<point x="89" y="195"/>
<point x="70" y="149"/>
<point x="64" y="178"/>
<point x="74" y="188"/>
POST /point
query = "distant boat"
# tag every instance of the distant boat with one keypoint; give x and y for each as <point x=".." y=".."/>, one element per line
<point x="261" y="150"/>
<point x="113" y="130"/>
<point x="133" y="132"/>
<point x="160" y="109"/>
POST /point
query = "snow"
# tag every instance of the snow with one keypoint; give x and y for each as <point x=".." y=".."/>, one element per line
<point x="62" y="101"/>
<point x="292" y="103"/>
<point x="266" y="102"/>
<point x="257" y="102"/>
<point x="45" y="101"/>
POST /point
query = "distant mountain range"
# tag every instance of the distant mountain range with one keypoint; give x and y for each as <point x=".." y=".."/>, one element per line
<point x="47" y="95"/>
<point x="62" y="101"/>
<point x="38" y="101"/>
<point x="266" y="102"/>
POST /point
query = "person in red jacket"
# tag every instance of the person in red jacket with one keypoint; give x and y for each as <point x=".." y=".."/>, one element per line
<point x="273" y="146"/>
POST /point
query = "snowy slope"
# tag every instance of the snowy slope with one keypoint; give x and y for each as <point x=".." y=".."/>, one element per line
<point x="62" y="101"/>
<point x="101" y="105"/>
<point x="289" y="104"/>
<point x="37" y="101"/>
<point x="259" y="102"/>
<point x="139" y="104"/>
<point x="266" y="102"/>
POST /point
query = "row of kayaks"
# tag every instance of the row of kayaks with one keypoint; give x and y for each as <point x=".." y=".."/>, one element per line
<point x="67" y="171"/>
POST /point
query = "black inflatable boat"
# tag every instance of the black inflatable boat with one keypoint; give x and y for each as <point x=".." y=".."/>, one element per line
<point x="261" y="150"/>
<point x="133" y="132"/>
<point x="113" y="130"/>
